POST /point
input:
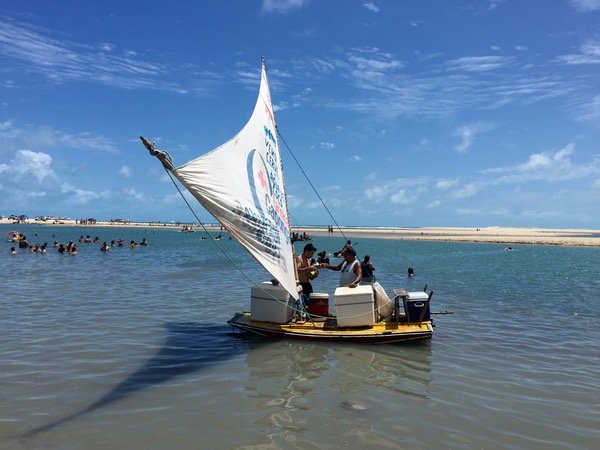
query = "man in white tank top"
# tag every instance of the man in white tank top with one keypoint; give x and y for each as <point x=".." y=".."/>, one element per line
<point x="350" y="269"/>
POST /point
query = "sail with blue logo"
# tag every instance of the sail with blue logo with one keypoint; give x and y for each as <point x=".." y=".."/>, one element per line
<point x="241" y="184"/>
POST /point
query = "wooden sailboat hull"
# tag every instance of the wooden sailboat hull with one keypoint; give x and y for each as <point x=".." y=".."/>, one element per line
<point x="380" y="333"/>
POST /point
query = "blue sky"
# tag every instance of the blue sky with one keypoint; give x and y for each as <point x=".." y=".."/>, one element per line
<point x="402" y="113"/>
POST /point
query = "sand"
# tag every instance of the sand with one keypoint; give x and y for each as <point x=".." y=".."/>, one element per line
<point x="500" y="235"/>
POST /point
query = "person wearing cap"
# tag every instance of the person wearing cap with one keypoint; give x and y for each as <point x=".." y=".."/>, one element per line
<point x="350" y="268"/>
<point x="348" y="244"/>
<point x="305" y="267"/>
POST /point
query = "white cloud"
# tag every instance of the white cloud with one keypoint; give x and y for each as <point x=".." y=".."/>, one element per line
<point x="371" y="6"/>
<point x="281" y="6"/>
<point x="394" y="190"/>
<point x="36" y="164"/>
<point x="468" y="132"/>
<point x="377" y="193"/>
<point x="493" y="4"/>
<point x="82" y="196"/>
<point x="383" y="89"/>
<point x="402" y="197"/>
<point x="370" y="66"/>
<point x="589" y="54"/>
<point x="328" y="145"/>
<point x="356" y="158"/>
<point x="44" y="136"/>
<point x="586" y="5"/>
<point x="133" y="194"/>
<point x="35" y="194"/>
<point x="479" y="63"/>
<point x="546" y="161"/>
<point x="125" y="171"/>
<point x="548" y="166"/>
<point x="591" y="111"/>
<point x="446" y="183"/>
<point x="33" y="50"/>
<point x="469" y="190"/>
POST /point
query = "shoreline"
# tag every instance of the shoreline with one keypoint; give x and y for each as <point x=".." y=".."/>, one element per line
<point x="497" y="235"/>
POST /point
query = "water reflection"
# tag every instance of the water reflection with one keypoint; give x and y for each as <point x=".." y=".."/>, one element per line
<point x="400" y="369"/>
<point x="189" y="347"/>
<point x="300" y="390"/>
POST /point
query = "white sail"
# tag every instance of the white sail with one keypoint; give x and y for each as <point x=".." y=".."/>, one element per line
<point x="241" y="184"/>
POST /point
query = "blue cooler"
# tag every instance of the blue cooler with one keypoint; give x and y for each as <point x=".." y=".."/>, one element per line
<point x="416" y="302"/>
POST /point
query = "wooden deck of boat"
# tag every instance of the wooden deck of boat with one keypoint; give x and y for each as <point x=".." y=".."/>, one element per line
<point x="384" y="332"/>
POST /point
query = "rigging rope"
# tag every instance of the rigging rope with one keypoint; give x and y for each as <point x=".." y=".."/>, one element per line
<point x="310" y="182"/>
<point x="301" y="309"/>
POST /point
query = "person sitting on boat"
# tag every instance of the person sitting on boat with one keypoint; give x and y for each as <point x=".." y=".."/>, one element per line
<point x="305" y="268"/>
<point x="367" y="268"/>
<point x="350" y="269"/>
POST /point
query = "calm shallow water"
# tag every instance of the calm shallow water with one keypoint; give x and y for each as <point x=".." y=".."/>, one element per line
<point x="131" y="350"/>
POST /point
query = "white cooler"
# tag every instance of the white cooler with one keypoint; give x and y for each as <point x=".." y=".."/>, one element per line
<point x="354" y="307"/>
<point x="270" y="303"/>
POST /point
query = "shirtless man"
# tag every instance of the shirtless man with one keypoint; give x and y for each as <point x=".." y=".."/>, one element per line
<point x="304" y="266"/>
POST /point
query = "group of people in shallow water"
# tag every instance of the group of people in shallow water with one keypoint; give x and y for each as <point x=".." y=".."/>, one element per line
<point x="71" y="248"/>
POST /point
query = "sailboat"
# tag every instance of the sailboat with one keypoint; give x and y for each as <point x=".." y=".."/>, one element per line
<point x="241" y="183"/>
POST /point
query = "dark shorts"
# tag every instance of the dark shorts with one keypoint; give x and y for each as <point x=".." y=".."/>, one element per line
<point x="307" y="289"/>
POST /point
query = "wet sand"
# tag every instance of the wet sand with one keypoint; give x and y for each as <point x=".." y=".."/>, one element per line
<point x="502" y="235"/>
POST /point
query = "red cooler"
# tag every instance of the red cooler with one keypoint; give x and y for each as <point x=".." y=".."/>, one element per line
<point x="318" y="304"/>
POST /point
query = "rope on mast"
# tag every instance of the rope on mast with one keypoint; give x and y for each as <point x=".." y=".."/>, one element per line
<point x="310" y="183"/>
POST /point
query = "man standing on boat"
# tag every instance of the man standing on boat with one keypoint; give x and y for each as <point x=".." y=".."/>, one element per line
<point x="305" y="268"/>
<point x="350" y="269"/>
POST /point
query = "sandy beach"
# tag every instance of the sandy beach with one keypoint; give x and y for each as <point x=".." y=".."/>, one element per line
<point x="500" y="235"/>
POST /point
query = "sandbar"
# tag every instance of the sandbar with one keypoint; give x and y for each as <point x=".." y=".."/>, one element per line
<point x="499" y="235"/>
<point x="493" y="234"/>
